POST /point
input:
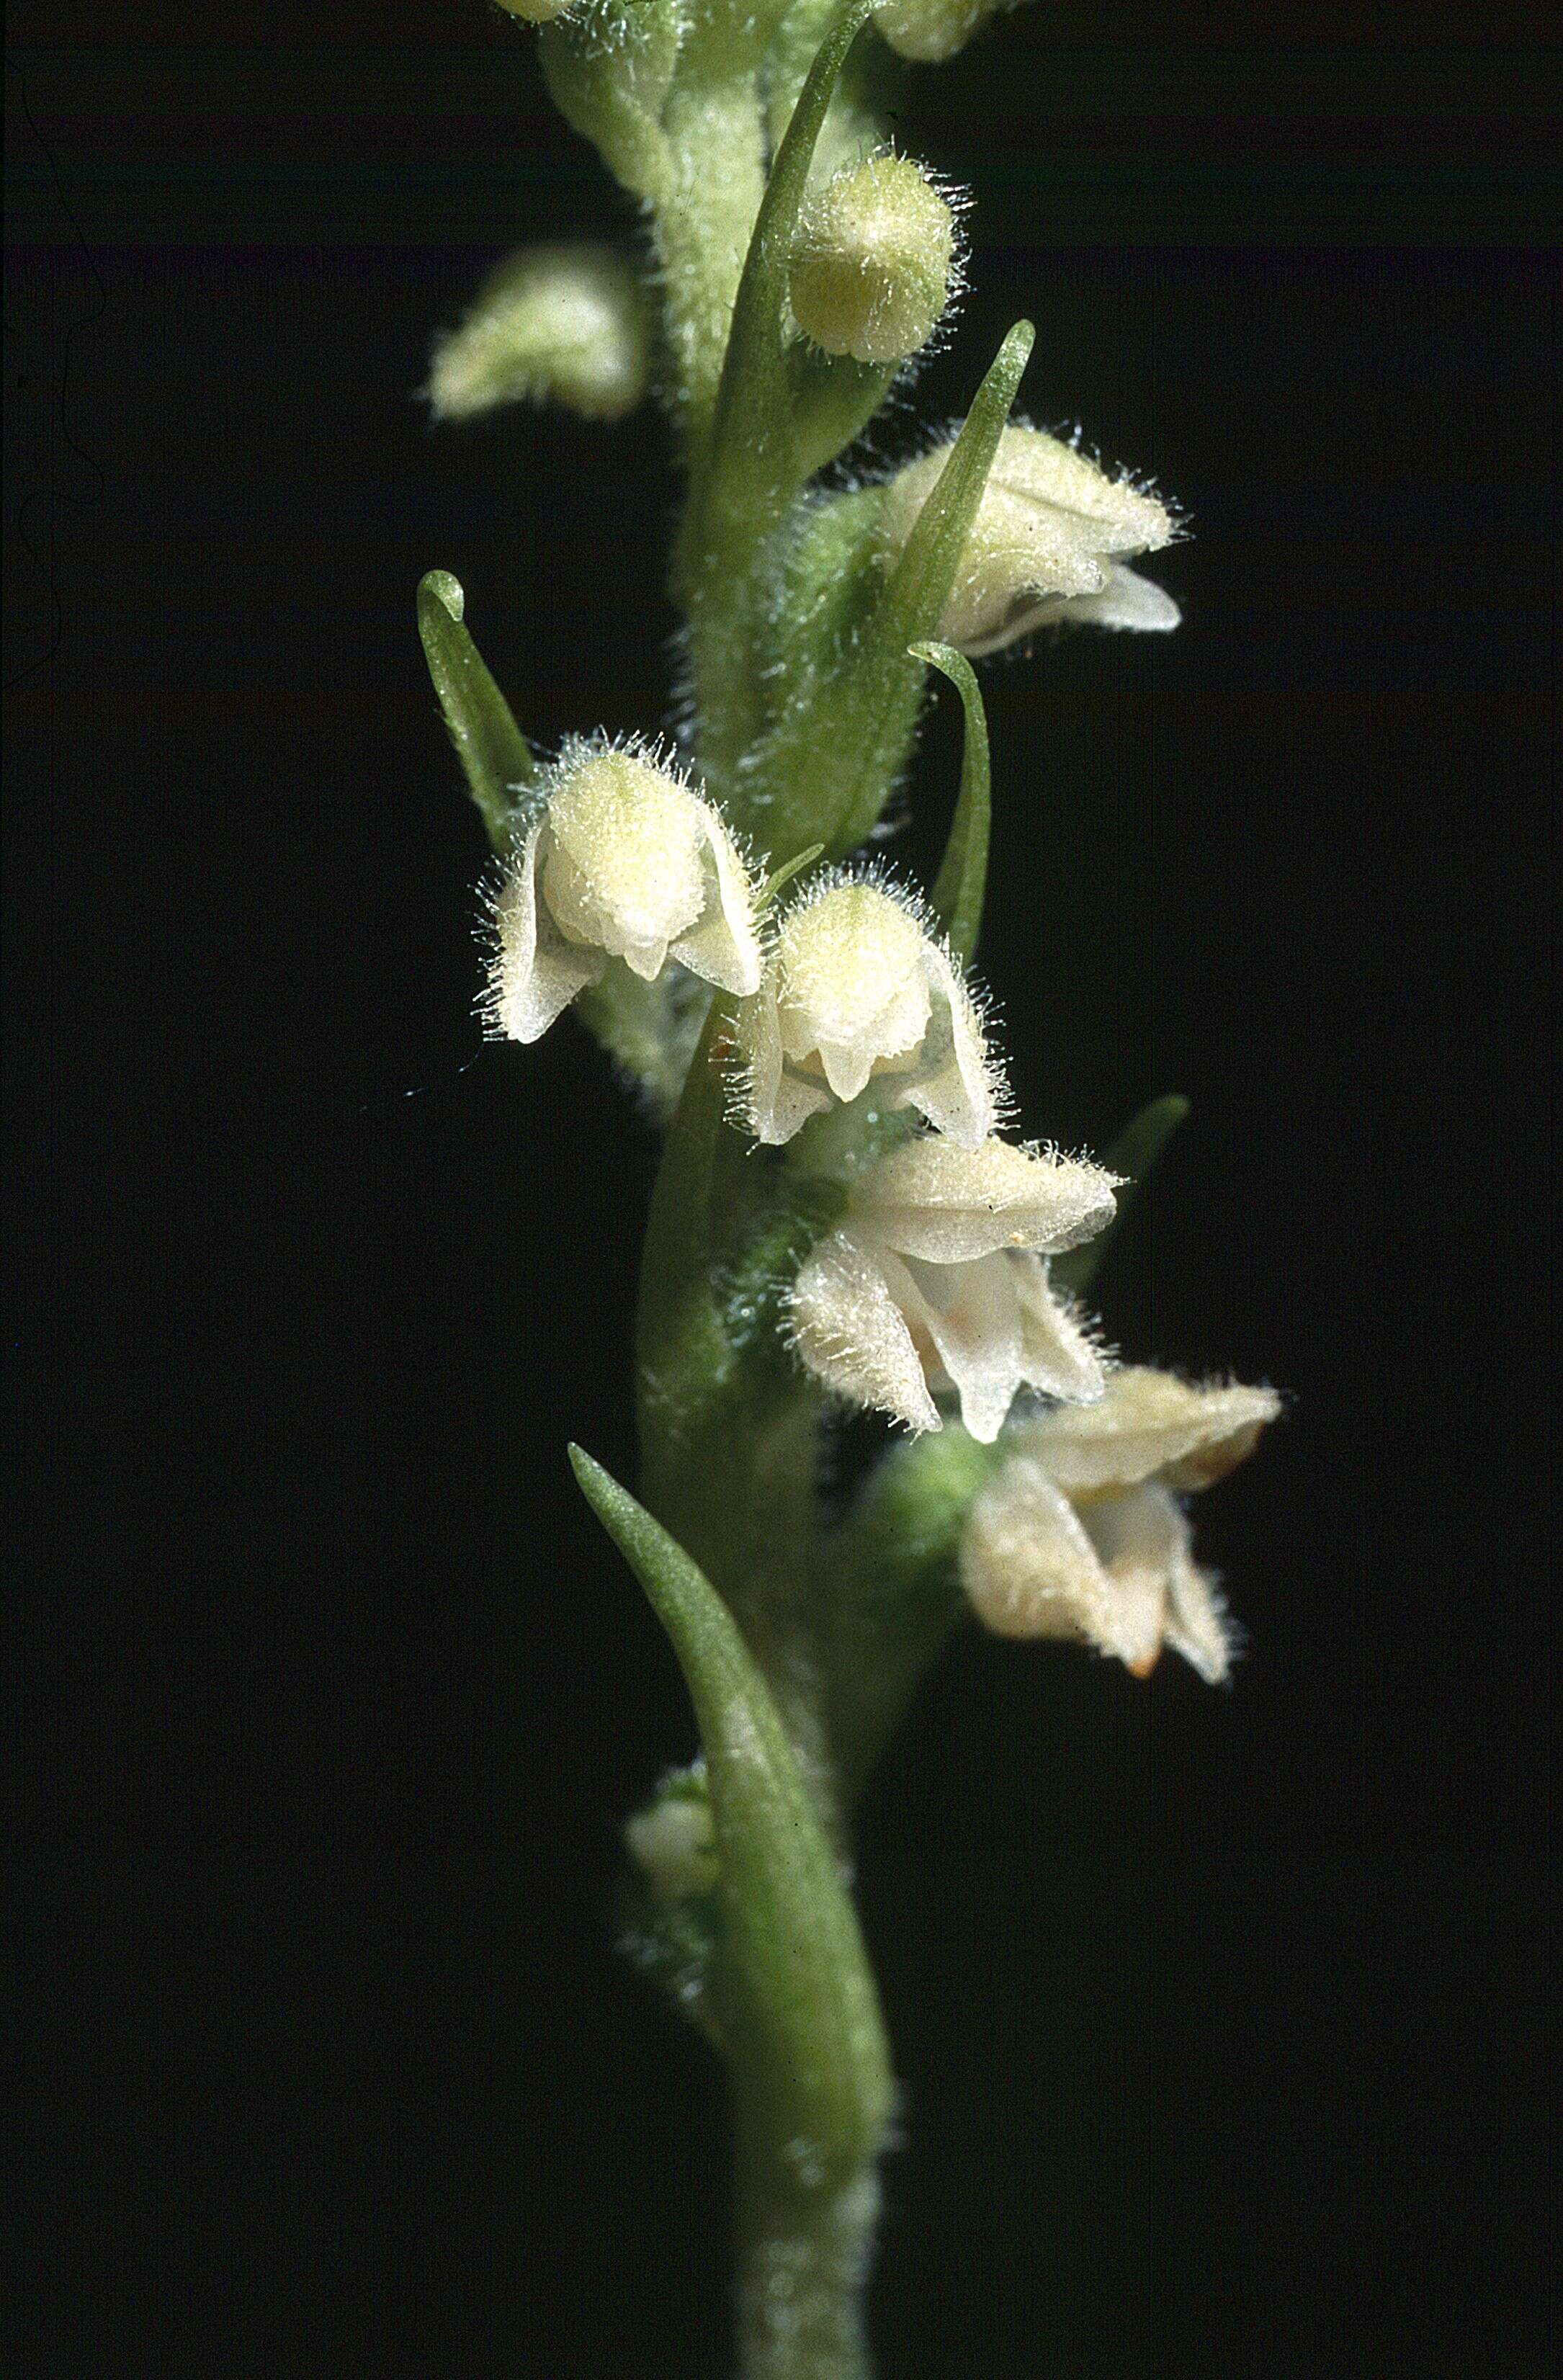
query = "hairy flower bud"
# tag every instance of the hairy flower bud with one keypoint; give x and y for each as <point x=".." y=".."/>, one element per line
<point x="1048" y="543"/>
<point x="930" y="30"/>
<point x="567" y="326"/>
<point x="871" y="265"/>
<point x="673" y="1840"/>
<point x="621" y="862"/>
<point x="536" y="12"/>
<point x="856" y="989"/>
<point x="1080" y="1534"/>
<point x="936" y="1281"/>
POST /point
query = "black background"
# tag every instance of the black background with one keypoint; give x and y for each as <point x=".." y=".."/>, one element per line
<point x="1213" y="2010"/>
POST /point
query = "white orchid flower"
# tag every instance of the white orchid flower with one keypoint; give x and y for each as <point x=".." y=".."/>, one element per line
<point x="1079" y="1534"/>
<point x="1050" y="542"/>
<point x="856" y="989"/>
<point x="937" y="1281"/>
<point x="621" y="861"/>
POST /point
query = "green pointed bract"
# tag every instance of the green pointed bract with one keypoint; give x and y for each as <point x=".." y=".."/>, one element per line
<point x="490" y="746"/>
<point x="833" y="400"/>
<point x="963" y="878"/>
<point x="1132" y="1155"/>
<point x="751" y="470"/>
<point x="798" y="2009"/>
<point x="684" y="1358"/>
<point x="831" y="763"/>
<point x="750" y="467"/>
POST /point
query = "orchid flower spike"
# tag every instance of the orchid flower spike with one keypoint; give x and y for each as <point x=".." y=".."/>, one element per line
<point x="937" y="1280"/>
<point x="621" y="861"/>
<point x="1048" y="543"/>
<point x="857" y="989"/>
<point x="1080" y="1534"/>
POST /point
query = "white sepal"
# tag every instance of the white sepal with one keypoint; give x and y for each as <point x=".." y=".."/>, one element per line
<point x="853" y="1336"/>
<point x="946" y="1203"/>
<point x="1150" y="1423"/>
<point x="536" y="972"/>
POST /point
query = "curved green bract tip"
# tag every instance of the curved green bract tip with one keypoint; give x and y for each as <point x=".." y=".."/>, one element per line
<point x="753" y="467"/>
<point x="963" y="878"/>
<point x="798" y="2009"/>
<point x="861" y="737"/>
<point x="1132" y="1155"/>
<point x="491" y="747"/>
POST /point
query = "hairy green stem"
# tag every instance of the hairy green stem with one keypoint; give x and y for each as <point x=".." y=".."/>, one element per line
<point x="705" y="214"/>
<point x="803" y="2259"/>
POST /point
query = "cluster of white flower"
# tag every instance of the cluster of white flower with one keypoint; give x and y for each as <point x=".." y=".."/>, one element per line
<point x="935" y="1281"/>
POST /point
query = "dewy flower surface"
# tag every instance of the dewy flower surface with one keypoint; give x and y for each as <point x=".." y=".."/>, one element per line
<point x="1080" y="1534"/>
<point x="856" y="991"/>
<point x="936" y="1282"/>
<point x="621" y="862"/>
<point x="1050" y="542"/>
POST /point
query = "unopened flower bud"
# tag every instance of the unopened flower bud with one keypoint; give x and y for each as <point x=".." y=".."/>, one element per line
<point x="856" y="989"/>
<point x="673" y="1842"/>
<point x="567" y="325"/>
<point x="1048" y="542"/>
<point x="623" y="862"/>
<point x="536" y="12"/>
<point x="930" y="30"/>
<point x="871" y="267"/>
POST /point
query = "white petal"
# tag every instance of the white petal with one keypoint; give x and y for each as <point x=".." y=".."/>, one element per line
<point x="848" y="1067"/>
<point x="645" y="959"/>
<point x="850" y="1333"/>
<point x="722" y="947"/>
<point x="1055" y="1355"/>
<point x="954" y="1086"/>
<point x="1026" y="1563"/>
<point x="936" y="1200"/>
<point x="1151" y="1423"/>
<point x="1143" y="1539"/>
<point x="1123" y="601"/>
<point x="536" y="973"/>
<point x="970" y="1313"/>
